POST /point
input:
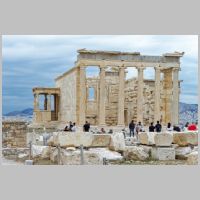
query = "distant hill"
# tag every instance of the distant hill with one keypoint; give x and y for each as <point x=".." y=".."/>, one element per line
<point x="23" y="113"/>
<point x="187" y="113"/>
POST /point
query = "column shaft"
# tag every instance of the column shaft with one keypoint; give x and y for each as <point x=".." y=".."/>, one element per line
<point x="36" y="101"/>
<point x="82" y="90"/>
<point x="102" y="97"/>
<point x="49" y="102"/>
<point x="175" y="101"/>
<point x="157" y="95"/>
<point x="140" y="95"/>
<point x="121" y="97"/>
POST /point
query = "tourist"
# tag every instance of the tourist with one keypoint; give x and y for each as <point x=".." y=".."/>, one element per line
<point x="177" y="128"/>
<point x="158" y="127"/>
<point x="169" y="127"/>
<point x="70" y="126"/>
<point x="110" y="131"/>
<point x="132" y="128"/>
<point x="192" y="127"/>
<point x="66" y="128"/>
<point x="151" y="127"/>
<point x="73" y="127"/>
<point x="139" y="127"/>
<point x="103" y="130"/>
<point x="86" y="127"/>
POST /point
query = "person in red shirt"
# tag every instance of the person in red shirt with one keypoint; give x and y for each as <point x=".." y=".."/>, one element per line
<point x="192" y="127"/>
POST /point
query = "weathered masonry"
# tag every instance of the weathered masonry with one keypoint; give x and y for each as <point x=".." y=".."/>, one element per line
<point x="116" y="101"/>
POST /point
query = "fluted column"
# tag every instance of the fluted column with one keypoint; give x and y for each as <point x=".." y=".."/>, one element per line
<point x="45" y="102"/>
<point x="157" y="95"/>
<point x="36" y="101"/>
<point x="49" y="102"/>
<point x="102" y="96"/>
<point x="121" y="96"/>
<point x="140" y="94"/>
<point x="175" y="99"/>
<point x="82" y="90"/>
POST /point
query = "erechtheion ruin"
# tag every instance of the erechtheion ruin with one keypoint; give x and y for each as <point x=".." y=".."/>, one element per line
<point x="116" y="100"/>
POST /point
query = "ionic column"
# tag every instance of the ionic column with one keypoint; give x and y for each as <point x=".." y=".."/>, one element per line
<point x="82" y="90"/>
<point x="121" y="97"/>
<point x="140" y="95"/>
<point x="36" y="101"/>
<point x="102" y="96"/>
<point x="175" y="98"/>
<point x="157" y="95"/>
<point x="49" y="102"/>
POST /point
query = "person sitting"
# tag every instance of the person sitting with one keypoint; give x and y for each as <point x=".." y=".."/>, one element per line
<point x="151" y="127"/>
<point x="177" y="128"/>
<point x="73" y="127"/>
<point x="103" y="130"/>
<point x="158" y="127"/>
<point x="66" y="128"/>
<point x="86" y="127"/>
<point x="192" y="127"/>
<point x="186" y="126"/>
<point x="169" y="127"/>
<point x="70" y="126"/>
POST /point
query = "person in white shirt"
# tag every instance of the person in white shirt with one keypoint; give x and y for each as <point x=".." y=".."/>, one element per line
<point x="169" y="127"/>
<point x="73" y="127"/>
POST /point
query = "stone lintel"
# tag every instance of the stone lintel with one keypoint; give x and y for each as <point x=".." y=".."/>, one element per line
<point x="118" y="63"/>
<point x="41" y="90"/>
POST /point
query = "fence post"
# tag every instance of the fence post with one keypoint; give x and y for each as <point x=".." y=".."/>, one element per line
<point x="104" y="161"/>
<point x="59" y="156"/>
<point x="82" y="156"/>
<point x="30" y="150"/>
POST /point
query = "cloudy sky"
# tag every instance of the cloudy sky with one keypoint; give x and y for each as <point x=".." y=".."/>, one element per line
<point x="30" y="61"/>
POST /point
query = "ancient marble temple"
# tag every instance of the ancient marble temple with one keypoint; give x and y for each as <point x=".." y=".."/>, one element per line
<point x="116" y="101"/>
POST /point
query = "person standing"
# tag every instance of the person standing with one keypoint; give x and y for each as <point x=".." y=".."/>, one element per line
<point x="151" y="127"/>
<point x="132" y="127"/>
<point x="169" y="127"/>
<point x="86" y="127"/>
<point x="158" y="127"/>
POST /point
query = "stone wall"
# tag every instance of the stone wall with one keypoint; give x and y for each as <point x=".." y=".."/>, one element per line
<point x="67" y="85"/>
<point x="14" y="134"/>
<point x="131" y="88"/>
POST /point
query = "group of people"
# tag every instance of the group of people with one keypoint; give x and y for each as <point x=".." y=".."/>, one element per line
<point x="70" y="127"/>
<point x="136" y="128"/>
<point x="191" y="126"/>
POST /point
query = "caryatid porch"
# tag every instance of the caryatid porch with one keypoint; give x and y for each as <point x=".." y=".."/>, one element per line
<point x="47" y="112"/>
<point x="168" y="64"/>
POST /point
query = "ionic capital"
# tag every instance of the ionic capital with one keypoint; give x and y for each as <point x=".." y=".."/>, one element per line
<point x="175" y="69"/>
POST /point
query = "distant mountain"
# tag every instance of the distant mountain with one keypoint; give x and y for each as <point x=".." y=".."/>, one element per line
<point x="188" y="112"/>
<point x="23" y="113"/>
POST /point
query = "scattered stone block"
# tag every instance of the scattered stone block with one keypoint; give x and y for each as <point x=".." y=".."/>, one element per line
<point x="107" y="154"/>
<point x="101" y="140"/>
<point x="135" y="153"/>
<point x="146" y="138"/>
<point x="163" y="139"/>
<point x="185" y="138"/>
<point x="163" y="153"/>
<point x="193" y="158"/>
<point x="182" y="152"/>
<point x="74" y="158"/>
<point x="117" y="142"/>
